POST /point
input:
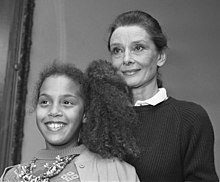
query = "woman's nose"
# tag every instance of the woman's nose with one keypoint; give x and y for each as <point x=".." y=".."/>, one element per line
<point x="127" y="58"/>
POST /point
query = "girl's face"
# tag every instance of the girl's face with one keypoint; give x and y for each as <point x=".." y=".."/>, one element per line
<point x="135" y="55"/>
<point x="60" y="112"/>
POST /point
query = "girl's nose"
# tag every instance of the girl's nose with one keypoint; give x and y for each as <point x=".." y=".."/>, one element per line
<point x="55" y="111"/>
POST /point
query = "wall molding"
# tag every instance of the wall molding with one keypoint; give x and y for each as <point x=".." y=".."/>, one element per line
<point x="15" y="85"/>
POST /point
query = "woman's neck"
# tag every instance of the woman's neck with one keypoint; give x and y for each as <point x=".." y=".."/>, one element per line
<point x="144" y="93"/>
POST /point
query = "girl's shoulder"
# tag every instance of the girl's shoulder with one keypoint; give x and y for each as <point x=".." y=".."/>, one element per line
<point x="11" y="173"/>
<point x="119" y="168"/>
<point x="111" y="169"/>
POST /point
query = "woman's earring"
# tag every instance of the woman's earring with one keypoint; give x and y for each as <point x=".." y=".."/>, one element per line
<point x="84" y="119"/>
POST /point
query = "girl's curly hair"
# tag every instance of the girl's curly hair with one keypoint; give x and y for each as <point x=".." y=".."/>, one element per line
<point x="56" y="68"/>
<point x="110" y="115"/>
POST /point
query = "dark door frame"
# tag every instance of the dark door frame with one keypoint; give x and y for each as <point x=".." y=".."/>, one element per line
<point x="15" y="84"/>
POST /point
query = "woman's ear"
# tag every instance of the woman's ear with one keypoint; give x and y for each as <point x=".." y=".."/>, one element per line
<point x="84" y="119"/>
<point x="161" y="58"/>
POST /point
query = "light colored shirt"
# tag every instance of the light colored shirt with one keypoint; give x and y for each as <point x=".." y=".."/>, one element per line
<point x="159" y="97"/>
<point x="91" y="167"/>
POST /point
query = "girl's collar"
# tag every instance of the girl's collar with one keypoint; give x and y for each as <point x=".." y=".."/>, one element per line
<point x="52" y="154"/>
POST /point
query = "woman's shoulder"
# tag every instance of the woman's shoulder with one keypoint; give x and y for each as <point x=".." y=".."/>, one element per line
<point x="187" y="106"/>
<point x="191" y="113"/>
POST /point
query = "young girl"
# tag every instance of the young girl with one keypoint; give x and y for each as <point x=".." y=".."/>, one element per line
<point x="74" y="108"/>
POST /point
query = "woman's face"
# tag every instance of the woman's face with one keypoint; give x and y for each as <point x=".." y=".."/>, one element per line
<point x="60" y="112"/>
<point x="135" y="55"/>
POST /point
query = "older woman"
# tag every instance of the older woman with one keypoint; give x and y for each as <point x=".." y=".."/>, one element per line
<point x="176" y="137"/>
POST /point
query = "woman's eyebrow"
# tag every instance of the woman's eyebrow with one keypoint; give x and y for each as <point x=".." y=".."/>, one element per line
<point x="115" y="44"/>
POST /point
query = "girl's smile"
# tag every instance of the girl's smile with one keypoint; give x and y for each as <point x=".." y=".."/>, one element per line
<point x="60" y="111"/>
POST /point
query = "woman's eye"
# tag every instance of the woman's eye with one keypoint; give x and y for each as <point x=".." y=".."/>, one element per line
<point x="116" y="50"/>
<point x="138" y="48"/>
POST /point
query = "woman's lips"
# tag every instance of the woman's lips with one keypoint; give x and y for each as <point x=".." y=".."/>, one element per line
<point x="130" y="72"/>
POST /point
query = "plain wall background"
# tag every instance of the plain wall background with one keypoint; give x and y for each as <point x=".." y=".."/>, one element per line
<point x="76" y="31"/>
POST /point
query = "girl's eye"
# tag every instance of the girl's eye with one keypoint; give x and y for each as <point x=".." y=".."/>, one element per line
<point x="43" y="102"/>
<point x="67" y="103"/>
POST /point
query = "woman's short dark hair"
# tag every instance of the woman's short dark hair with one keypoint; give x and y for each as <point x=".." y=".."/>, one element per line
<point x="148" y="23"/>
<point x="144" y="20"/>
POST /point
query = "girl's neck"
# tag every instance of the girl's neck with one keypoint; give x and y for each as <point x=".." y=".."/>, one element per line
<point x="61" y="147"/>
<point x="52" y="154"/>
<point x="144" y="93"/>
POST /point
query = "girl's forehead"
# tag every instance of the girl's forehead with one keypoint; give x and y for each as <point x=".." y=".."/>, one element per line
<point x="60" y="78"/>
<point x="59" y="83"/>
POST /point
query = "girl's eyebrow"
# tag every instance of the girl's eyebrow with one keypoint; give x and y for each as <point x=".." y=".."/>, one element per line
<point x="76" y="97"/>
<point x="65" y="95"/>
<point x="43" y="94"/>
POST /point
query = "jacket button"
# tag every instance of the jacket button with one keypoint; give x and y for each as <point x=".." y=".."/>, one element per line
<point x="81" y="166"/>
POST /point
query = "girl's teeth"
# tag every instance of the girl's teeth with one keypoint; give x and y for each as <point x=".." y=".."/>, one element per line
<point x="55" y="126"/>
